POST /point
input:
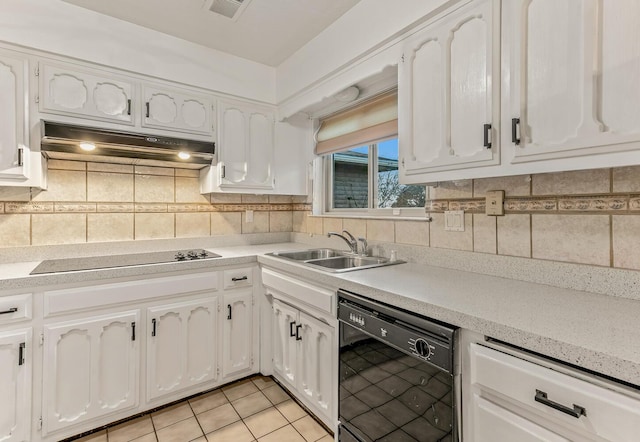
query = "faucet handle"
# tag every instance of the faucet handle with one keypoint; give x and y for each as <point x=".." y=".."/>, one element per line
<point x="364" y="251"/>
<point x="351" y="237"/>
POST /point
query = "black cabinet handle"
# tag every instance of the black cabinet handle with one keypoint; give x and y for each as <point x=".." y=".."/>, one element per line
<point x="133" y="331"/>
<point x="153" y="329"/>
<point x="243" y="278"/>
<point x="291" y="332"/>
<point x="21" y="353"/>
<point x="576" y="411"/>
<point x="11" y="310"/>
<point x="515" y="122"/>
<point x="487" y="135"/>
<point x="147" y="105"/>
<point x="298" y="336"/>
<point x="229" y="311"/>
<point x="129" y="106"/>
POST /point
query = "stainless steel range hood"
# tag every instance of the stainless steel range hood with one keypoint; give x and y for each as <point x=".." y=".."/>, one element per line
<point x="63" y="141"/>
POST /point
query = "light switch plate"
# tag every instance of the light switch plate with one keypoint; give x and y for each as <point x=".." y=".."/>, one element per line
<point x="249" y="216"/>
<point x="494" y="204"/>
<point x="454" y="220"/>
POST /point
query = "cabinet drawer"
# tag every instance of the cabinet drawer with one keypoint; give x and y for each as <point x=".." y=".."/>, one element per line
<point x="15" y="308"/>
<point x="609" y="414"/>
<point x="238" y="278"/>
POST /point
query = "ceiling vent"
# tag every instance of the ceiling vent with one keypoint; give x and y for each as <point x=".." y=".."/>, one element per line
<point x="229" y="8"/>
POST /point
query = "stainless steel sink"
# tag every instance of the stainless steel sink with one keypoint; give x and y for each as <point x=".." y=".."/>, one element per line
<point x="334" y="261"/>
<point x="306" y="255"/>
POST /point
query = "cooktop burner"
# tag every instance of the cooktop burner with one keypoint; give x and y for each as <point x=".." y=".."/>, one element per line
<point x="126" y="260"/>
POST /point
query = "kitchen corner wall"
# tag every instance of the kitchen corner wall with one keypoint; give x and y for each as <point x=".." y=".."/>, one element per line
<point x="98" y="202"/>
<point x="587" y="217"/>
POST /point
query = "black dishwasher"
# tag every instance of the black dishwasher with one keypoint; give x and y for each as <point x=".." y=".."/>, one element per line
<point x="396" y="374"/>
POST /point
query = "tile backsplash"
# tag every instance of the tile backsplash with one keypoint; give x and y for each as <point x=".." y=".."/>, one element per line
<point x="99" y="202"/>
<point x="586" y="217"/>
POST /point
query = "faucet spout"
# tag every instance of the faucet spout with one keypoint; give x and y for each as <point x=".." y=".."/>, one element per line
<point x="353" y="244"/>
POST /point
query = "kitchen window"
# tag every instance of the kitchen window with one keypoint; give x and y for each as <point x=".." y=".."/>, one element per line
<point x="359" y="149"/>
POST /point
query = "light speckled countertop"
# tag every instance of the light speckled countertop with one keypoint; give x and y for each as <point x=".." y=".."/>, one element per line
<point x="593" y="331"/>
<point x="589" y="330"/>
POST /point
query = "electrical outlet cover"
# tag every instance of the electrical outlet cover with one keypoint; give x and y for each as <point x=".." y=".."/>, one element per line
<point x="454" y="220"/>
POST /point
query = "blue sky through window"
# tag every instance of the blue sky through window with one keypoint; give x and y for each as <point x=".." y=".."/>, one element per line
<point x="386" y="149"/>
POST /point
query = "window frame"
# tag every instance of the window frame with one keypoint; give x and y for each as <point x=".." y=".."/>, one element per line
<point x="371" y="211"/>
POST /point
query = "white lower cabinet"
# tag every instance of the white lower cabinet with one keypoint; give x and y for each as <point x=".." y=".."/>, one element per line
<point x="303" y="357"/>
<point x="92" y="368"/>
<point x="237" y="335"/>
<point x="15" y="385"/>
<point x="509" y="398"/>
<point x="181" y="345"/>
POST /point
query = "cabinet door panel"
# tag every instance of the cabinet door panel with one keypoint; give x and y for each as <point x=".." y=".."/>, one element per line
<point x="13" y="131"/>
<point x="70" y="91"/>
<point x="238" y="332"/>
<point x="261" y="142"/>
<point x="176" y="111"/>
<point x="94" y="369"/>
<point x="202" y="343"/>
<point x="445" y="94"/>
<point x="284" y="343"/>
<point x="233" y="131"/>
<point x="15" y="386"/>
<point x="470" y="88"/>
<point x="183" y="351"/>
<point x="621" y="66"/>
<point x="554" y="83"/>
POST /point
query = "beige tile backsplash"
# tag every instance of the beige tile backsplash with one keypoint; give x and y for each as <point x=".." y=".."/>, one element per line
<point x="99" y="202"/>
<point x="589" y="217"/>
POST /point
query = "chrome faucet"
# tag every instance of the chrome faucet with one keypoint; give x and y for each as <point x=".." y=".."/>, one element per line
<point x="351" y="241"/>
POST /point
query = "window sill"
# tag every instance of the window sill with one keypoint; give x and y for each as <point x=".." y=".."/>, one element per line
<point x="378" y="217"/>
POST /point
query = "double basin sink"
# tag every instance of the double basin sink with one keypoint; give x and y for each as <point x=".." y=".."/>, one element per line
<point x="331" y="260"/>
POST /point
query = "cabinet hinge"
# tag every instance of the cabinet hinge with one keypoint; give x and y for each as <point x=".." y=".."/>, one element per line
<point x="218" y="307"/>
<point x="402" y="58"/>
<point x="37" y="98"/>
<point x="37" y="71"/>
<point x="218" y="371"/>
<point x="41" y="338"/>
<point x="21" y="156"/>
<point x="40" y="423"/>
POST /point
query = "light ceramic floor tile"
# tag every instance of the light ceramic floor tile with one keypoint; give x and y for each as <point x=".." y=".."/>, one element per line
<point x="100" y="436"/>
<point x="237" y="432"/>
<point x="327" y="438"/>
<point x="171" y="415"/>
<point x="263" y="382"/>
<point x="309" y="429"/>
<point x="291" y="410"/>
<point x="276" y="394"/>
<point x="151" y="437"/>
<point x="217" y="418"/>
<point x="208" y="401"/>
<point x="131" y="430"/>
<point x="285" y="434"/>
<point x="239" y="389"/>
<point x="265" y="422"/>
<point x="251" y="404"/>
<point x="183" y="431"/>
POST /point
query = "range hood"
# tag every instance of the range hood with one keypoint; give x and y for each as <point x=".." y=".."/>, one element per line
<point x="64" y="141"/>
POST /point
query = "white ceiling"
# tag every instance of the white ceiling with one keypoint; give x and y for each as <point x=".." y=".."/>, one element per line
<point x="266" y="31"/>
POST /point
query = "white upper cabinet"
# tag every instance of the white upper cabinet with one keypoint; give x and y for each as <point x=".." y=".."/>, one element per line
<point x="83" y="93"/>
<point x="574" y="68"/>
<point x="447" y="102"/>
<point x="14" y="126"/>
<point x="169" y="109"/>
<point x="246" y="147"/>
